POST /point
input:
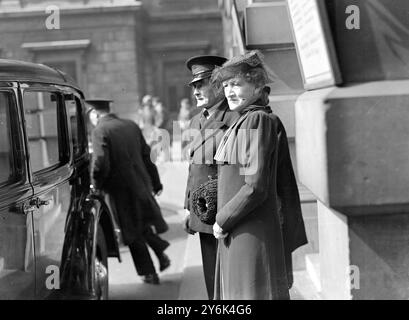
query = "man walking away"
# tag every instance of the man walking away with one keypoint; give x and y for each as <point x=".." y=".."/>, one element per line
<point x="121" y="167"/>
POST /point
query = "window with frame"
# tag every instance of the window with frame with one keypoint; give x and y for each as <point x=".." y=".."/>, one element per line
<point x="43" y="130"/>
<point x="76" y="120"/>
<point x="8" y="172"/>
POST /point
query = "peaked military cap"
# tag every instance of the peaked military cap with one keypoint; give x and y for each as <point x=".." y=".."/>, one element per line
<point x="99" y="103"/>
<point x="202" y="66"/>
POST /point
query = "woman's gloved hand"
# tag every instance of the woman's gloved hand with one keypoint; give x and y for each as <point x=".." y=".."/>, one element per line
<point x="218" y="232"/>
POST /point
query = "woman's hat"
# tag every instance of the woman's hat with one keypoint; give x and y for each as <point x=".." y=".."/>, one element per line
<point x="243" y="64"/>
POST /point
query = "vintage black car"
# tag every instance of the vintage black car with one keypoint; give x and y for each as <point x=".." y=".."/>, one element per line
<point x="55" y="233"/>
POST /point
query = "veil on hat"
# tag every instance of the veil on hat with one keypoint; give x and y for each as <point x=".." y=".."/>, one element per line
<point x="242" y="64"/>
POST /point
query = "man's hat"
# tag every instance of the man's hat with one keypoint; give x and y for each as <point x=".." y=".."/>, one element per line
<point x="202" y="66"/>
<point x="100" y="103"/>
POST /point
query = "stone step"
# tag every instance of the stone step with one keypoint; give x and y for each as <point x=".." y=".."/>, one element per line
<point x="303" y="288"/>
<point x="312" y="262"/>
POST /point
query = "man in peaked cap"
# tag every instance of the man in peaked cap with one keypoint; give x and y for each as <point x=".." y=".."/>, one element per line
<point x="203" y="66"/>
<point x="122" y="168"/>
<point x="207" y="128"/>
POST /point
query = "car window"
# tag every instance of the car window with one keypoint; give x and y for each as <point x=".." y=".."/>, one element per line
<point x="6" y="151"/>
<point x="41" y="116"/>
<point x="76" y="120"/>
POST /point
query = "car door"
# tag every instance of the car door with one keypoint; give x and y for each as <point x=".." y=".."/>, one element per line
<point x="50" y="171"/>
<point x="17" y="269"/>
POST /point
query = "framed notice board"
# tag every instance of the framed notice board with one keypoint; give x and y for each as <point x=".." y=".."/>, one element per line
<point x="314" y="43"/>
<point x="238" y="41"/>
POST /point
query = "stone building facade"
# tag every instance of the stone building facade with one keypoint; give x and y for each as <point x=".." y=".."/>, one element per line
<point x="177" y="30"/>
<point x="118" y="49"/>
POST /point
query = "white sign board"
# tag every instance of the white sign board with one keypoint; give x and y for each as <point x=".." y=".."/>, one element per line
<point x="314" y="43"/>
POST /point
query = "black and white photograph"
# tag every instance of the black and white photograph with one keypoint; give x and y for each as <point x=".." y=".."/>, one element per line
<point x="204" y="155"/>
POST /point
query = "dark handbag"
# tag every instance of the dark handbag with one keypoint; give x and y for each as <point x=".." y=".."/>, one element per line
<point x="204" y="201"/>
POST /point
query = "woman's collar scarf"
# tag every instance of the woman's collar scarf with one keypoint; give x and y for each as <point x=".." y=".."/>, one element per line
<point x="227" y="152"/>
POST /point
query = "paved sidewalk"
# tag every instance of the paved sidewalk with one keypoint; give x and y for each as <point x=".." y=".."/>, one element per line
<point x="192" y="283"/>
<point x="125" y="284"/>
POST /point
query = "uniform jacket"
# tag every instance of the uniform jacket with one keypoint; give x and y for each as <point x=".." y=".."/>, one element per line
<point x="201" y="152"/>
<point x="122" y="167"/>
<point x="252" y="260"/>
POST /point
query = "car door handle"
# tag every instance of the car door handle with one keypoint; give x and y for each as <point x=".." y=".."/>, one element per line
<point x="37" y="202"/>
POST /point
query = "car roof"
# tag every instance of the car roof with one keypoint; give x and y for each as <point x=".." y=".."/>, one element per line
<point x="14" y="70"/>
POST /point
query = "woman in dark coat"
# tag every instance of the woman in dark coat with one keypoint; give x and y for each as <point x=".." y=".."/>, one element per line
<point x="251" y="255"/>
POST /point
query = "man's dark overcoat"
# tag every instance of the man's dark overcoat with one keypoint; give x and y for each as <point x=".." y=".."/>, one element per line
<point x="123" y="168"/>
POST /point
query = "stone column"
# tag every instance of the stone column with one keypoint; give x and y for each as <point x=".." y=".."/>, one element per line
<point x="352" y="143"/>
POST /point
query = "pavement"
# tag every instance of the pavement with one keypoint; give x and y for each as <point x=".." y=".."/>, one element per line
<point x="183" y="280"/>
<point x="125" y="284"/>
